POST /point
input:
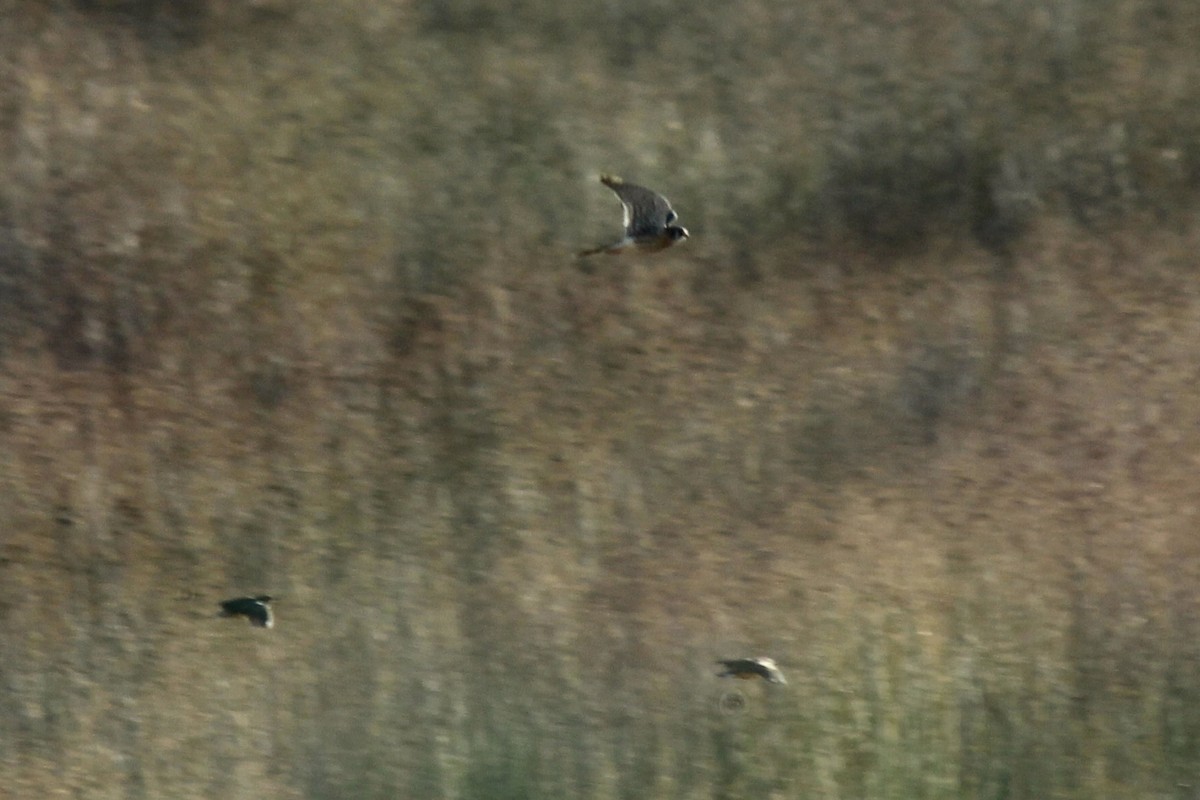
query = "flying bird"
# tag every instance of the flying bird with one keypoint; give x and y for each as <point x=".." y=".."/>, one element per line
<point x="254" y="609"/>
<point x="649" y="220"/>
<point x="749" y="668"/>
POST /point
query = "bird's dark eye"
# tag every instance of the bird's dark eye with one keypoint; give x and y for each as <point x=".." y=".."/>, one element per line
<point x="671" y="216"/>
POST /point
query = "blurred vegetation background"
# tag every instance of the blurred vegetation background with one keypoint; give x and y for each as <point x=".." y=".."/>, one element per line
<point x="287" y="306"/>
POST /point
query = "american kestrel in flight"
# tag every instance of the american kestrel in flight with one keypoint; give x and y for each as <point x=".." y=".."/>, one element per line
<point x="254" y="609"/>
<point x="748" y="668"/>
<point x="649" y="220"/>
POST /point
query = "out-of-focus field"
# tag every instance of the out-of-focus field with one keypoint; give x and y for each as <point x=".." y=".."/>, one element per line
<point x="288" y="306"/>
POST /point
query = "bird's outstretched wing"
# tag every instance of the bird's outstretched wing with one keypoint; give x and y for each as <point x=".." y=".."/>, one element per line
<point x="646" y="212"/>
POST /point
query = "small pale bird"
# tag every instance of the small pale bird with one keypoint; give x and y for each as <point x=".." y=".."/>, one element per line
<point x="749" y="668"/>
<point x="649" y="220"/>
<point x="254" y="609"/>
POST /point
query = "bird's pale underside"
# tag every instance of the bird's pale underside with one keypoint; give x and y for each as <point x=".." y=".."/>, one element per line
<point x="649" y="220"/>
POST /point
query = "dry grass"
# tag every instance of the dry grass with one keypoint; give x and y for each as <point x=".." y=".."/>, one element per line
<point x="286" y="305"/>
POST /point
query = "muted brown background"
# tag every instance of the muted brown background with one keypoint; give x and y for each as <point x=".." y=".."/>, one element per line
<point x="287" y="305"/>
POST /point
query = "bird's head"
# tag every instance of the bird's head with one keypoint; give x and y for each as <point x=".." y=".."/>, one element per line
<point x="677" y="232"/>
<point x="774" y="674"/>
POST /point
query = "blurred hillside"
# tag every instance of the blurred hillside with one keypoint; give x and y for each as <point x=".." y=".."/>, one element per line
<point x="288" y="306"/>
